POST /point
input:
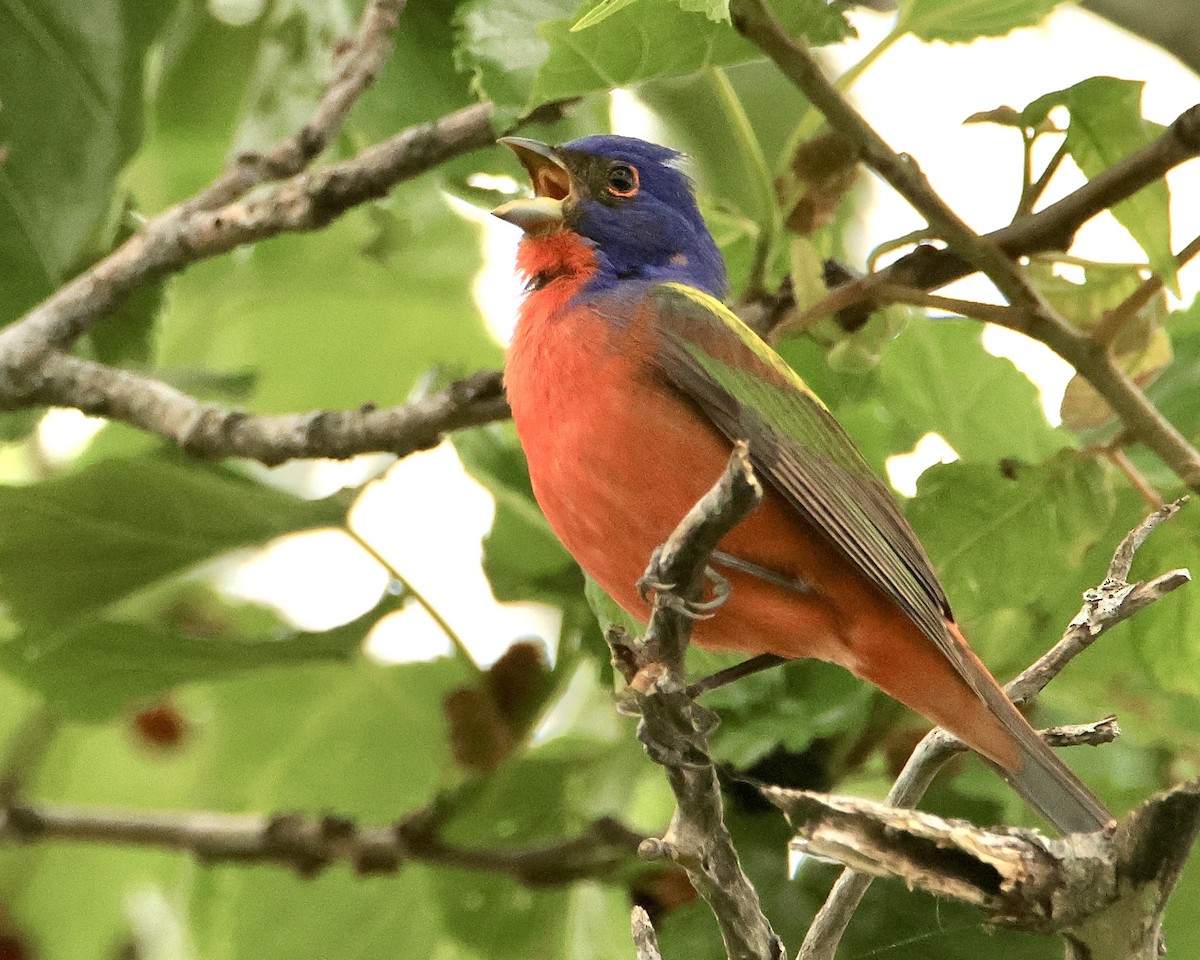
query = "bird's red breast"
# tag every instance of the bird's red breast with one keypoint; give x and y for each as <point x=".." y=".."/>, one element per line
<point x="617" y="457"/>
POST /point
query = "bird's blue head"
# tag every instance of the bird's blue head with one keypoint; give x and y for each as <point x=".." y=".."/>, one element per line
<point x="630" y="199"/>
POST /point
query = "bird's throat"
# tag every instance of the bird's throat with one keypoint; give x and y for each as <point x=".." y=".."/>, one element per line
<point x="561" y="258"/>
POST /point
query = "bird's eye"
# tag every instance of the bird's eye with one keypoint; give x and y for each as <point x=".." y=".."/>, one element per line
<point x="622" y="180"/>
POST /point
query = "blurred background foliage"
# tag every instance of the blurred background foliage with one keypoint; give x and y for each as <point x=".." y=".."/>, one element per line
<point x="163" y="692"/>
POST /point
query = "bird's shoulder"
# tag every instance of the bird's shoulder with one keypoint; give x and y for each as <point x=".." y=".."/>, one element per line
<point x="721" y="342"/>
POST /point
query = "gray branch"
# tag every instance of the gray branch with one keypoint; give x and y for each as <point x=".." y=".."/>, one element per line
<point x="674" y="728"/>
<point x="1103" y="892"/>
<point x="645" y="941"/>
<point x="35" y="368"/>
<point x="209" y="430"/>
<point x="309" y="845"/>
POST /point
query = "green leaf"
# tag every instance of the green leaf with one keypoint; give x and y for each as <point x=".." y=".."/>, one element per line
<point x="1142" y="352"/>
<point x="628" y="46"/>
<point x="1106" y="126"/>
<point x="960" y="21"/>
<point x="93" y="670"/>
<point x="1174" y="393"/>
<point x="205" y="71"/>
<point x="548" y="796"/>
<point x="1084" y="304"/>
<point x="788" y="707"/>
<point x="363" y="741"/>
<point x="943" y="381"/>
<point x="275" y="310"/>
<point x="1163" y="634"/>
<point x="522" y="557"/>
<point x="716" y="10"/>
<point x="422" y="80"/>
<point x="126" y="335"/>
<point x="295" y="60"/>
<point x="606" y="611"/>
<point x="602" y="10"/>
<point x="265" y="913"/>
<point x="75" y="544"/>
<point x="1013" y="537"/>
<point x="72" y="116"/>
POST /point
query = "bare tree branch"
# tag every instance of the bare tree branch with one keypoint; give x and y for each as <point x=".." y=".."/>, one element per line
<point x="310" y="844"/>
<point x="180" y="237"/>
<point x="1171" y="24"/>
<point x="1032" y="314"/>
<point x="674" y="728"/>
<point x="209" y="430"/>
<point x="35" y="369"/>
<point x="1075" y="886"/>
<point x="356" y="69"/>
<point x="1094" y="734"/>
<point x="1051" y="229"/>
<point x="1104" y="607"/>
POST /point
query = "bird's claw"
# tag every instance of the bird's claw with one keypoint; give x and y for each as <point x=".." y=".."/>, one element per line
<point x="650" y="581"/>
<point x="665" y="593"/>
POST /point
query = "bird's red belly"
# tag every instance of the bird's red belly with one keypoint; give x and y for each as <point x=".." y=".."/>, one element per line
<point x="617" y="458"/>
<point x="621" y="462"/>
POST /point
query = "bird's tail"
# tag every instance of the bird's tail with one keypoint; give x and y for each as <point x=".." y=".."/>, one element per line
<point x="1036" y="772"/>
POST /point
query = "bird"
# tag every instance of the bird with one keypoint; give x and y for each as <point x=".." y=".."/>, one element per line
<point x="630" y="383"/>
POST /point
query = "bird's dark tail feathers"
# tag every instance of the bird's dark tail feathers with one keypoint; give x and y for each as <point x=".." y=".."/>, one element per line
<point x="1049" y="786"/>
<point x="1038" y="775"/>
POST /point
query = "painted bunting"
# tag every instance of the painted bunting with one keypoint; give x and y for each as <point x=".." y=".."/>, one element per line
<point x="630" y="382"/>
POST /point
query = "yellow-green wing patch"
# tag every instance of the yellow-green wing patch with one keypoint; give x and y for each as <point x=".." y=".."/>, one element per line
<point x="796" y="446"/>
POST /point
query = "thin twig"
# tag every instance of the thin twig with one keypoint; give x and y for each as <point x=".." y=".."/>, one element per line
<point x="1114" y="320"/>
<point x="1116" y="456"/>
<point x="916" y="297"/>
<point x="1034" y="191"/>
<point x="760" y="173"/>
<point x="764" y="661"/>
<point x="463" y="651"/>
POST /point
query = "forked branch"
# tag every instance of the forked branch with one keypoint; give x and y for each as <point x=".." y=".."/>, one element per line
<point x="1113" y="601"/>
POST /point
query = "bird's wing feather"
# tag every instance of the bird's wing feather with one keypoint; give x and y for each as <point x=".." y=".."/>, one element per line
<point x="797" y="446"/>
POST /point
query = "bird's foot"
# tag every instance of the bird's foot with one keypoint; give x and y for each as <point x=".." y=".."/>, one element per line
<point x="651" y="580"/>
<point x="665" y="593"/>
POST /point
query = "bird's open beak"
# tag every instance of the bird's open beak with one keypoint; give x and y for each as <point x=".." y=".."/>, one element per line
<point x="551" y="184"/>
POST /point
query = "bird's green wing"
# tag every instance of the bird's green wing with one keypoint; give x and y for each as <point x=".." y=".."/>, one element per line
<point x="796" y="445"/>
